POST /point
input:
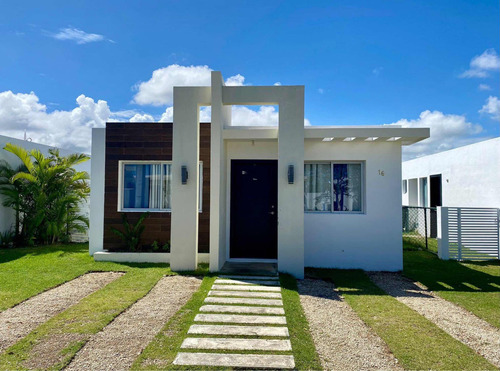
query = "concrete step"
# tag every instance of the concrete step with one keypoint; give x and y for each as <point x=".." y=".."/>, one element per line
<point x="246" y="294"/>
<point x="249" y="277"/>
<point x="222" y="281"/>
<point x="236" y="344"/>
<point x="235" y="360"/>
<point x="238" y="330"/>
<point x="241" y="309"/>
<point x="241" y="318"/>
<point x="250" y="301"/>
<point x="246" y="288"/>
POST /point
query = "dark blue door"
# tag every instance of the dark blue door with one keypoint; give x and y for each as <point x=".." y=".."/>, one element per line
<point x="254" y="213"/>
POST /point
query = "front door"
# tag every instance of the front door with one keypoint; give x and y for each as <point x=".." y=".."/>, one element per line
<point x="254" y="209"/>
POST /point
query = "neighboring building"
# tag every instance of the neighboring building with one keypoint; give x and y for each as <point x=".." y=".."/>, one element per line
<point x="467" y="176"/>
<point x="313" y="196"/>
<point x="7" y="215"/>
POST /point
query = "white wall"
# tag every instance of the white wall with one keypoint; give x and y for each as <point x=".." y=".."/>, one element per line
<point x="470" y="174"/>
<point x="370" y="241"/>
<point x="7" y="216"/>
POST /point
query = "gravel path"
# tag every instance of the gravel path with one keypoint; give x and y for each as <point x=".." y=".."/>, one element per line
<point x="118" y="344"/>
<point x="456" y="321"/>
<point x="19" y="321"/>
<point x="342" y="339"/>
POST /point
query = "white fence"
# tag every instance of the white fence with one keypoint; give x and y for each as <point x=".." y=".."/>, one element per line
<point x="468" y="233"/>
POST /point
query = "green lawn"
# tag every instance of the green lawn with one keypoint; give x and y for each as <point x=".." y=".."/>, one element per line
<point x="416" y="342"/>
<point x="473" y="285"/>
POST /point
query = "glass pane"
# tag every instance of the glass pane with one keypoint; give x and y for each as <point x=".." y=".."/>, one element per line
<point x="141" y="186"/>
<point x="347" y="187"/>
<point x="167" y="184"/>
<point x="317" y="187"/>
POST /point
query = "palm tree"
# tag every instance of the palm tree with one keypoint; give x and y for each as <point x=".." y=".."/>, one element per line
<point x="51" y="194"/>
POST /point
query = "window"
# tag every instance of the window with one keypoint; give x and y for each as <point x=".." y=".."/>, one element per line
<point x="333" y="187"/>
<point x="147" y="186"/>
<point x="405" y="186"/>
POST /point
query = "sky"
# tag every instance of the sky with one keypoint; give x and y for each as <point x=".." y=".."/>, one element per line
<point x="69" y="66"/>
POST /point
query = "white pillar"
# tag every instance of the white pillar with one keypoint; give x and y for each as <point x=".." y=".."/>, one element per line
<point x="442" y="233"/>
<point x="97" y="173"/>
<point x="185" y="197"/>
<point x="291" y="196"/>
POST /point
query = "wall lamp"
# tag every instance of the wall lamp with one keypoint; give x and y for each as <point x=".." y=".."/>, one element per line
<point x="184" y="174"/>
<point x="291" y="174"/>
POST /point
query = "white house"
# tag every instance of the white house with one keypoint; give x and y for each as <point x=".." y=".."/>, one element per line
<point x="7" y="215"/>
<point x="298" y="196"/>
<point x="467" y="176"/>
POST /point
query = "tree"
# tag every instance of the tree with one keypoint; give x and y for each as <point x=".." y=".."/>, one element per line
<point x="49" y="192"/>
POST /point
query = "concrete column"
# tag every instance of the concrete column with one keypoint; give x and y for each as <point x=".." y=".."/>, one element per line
<point x="221" y="116"/>
<point x="185" y="197"/>
<point x="442" y="233"/>
<point x="97" y="172"/>
<point x="291" y="196"/>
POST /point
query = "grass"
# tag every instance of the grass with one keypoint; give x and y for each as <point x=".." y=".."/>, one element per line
<point x="416" y="342"/>
<point x="161" y="352"/>
<point x="474" y="286"/>
<point x="412" y="241"/>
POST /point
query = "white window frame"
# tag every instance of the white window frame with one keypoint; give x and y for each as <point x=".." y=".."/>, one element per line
<point x="121" y="174"/>
<point x="363" y="193"/>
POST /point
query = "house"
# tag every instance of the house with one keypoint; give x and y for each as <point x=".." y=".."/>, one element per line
<point x="298" y="196"/>
<point x="7" y="215"/>
<point x="467" y="176"/>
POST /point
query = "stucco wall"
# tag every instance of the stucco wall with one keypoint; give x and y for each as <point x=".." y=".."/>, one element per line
<point x="7" y="216"/>
<point x="371" y="240"/>
<point x="470" y="174"/>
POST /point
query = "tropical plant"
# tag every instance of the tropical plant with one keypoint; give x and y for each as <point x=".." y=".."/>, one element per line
<point x="131" y="233"/>
<point x="7" y="239"/>
<point x="46" y="193"/>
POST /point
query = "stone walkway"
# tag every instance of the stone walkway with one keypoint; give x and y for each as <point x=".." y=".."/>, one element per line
<point x="240" y="313"/>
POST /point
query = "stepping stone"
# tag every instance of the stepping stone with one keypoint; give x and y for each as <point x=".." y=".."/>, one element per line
<point x="238" y="330"/>
<point x="241" y="318"/>
<point x="216" y="300"/>
<point x="241" y="309"/>
<point x="250" y="277"/>
<point x="246" y="294"/>
<point x="235" y="360"/>
<point x="236" y="344"/>
<point x="220" y="281"/>
<point x="246" y="288"/>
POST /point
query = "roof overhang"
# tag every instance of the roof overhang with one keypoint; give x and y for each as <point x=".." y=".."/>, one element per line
<point x="373" y="134"/>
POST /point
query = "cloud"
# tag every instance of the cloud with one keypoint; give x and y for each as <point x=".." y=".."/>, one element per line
<point x="447" y="131"/>
<point x="158" y="90"/>
<point x="78" y="36"/>
<point x="277" y="83"/>
<point x="65" y="129"/>
<point x="142" y="118"/>
<point x="482" y="65"/>
<point x="484" y="87"/>
<point x="492" y="108"/>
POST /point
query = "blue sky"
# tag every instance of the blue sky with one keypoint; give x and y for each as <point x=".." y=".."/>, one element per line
<point x="414" y="63"/>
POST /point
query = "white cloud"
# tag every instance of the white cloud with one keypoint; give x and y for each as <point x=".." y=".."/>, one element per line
<point x="481" y="65"/>
<point x="158" y="90"/>
<point x="277" y="83"/>
<point x="78" y="36"/>
<point x="484" y="87"/>
<point x="492" y="108"/>
<point x="447" y="131"/>
<point x="142" y="118"/>
<point x="65" y="129"/>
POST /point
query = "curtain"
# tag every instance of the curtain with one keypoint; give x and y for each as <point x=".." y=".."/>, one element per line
<point x="317" y="187"/>
<point x="347" y="187"/>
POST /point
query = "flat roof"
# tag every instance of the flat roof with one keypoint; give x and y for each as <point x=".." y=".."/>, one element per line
<point x="405" y="136"/>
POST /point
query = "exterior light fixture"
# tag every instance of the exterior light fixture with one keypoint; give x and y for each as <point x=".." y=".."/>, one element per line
<point x="184" y="174"/>
<point x="328" y="139"/>
<point x="371" y="139"/>
<point x="349" y="139"/>
<point x="393" y="139"/>
<point x="291" y="174"/>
